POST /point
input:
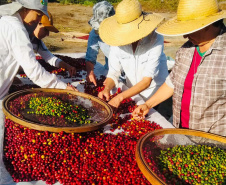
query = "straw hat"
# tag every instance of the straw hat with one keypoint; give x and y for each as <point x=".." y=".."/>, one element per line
<point x="192" y="15"/>
<point x="48" y="23"/>
<point x="129" y="24"/>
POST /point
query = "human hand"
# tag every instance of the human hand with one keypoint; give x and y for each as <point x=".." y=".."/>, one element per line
<point x="69" y="68"/>
<point x="105" y="94"/>
<point x="91" y="78"/>
<point x="71" y="88"/>
<point x="104" y="83"/>
<point x="116" y="101"/>
<point x="90" y="73"/>
<point x="140" y="111"/>
<point x="17" y="81"/>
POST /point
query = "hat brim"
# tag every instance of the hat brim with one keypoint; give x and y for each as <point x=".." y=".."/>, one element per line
<point x="51" y="28"/>
<point x="45" y="12"/>
<point x="173" y="27"/>
<point x="115" y="34"/>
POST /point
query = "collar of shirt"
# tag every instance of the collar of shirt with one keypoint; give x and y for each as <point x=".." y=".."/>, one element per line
<point x="145" y="42"/>
<point x="19" y="17"/>
<point x="151" y="37"/>
<point x="220" y="43"/>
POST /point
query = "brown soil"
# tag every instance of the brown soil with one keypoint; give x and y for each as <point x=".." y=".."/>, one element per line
<point x="68" y="18"/>
<point x="72" y="21"/>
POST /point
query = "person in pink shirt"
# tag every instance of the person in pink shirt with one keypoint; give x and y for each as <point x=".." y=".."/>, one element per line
<point x="197" y="81"/>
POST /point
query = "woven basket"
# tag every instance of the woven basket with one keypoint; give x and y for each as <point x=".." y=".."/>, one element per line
<point x="53" y="128"/>
<point x="166" y="138"/>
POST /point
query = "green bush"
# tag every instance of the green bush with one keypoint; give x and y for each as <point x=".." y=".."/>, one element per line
<point x="89" y="3"/>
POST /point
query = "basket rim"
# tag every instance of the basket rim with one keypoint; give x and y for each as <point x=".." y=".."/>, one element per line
<point x="143" y="165"/>
<point x="43" y="127"/>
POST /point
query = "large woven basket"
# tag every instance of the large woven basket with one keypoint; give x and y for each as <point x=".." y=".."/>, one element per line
<point x="165" y="138"/>
<point x="98" y="105"/>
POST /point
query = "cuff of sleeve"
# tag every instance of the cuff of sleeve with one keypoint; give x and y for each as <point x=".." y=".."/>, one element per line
<point x="57" y="63"/>
<point x="114" y="79"/>
<point x="152" y="73"/>
<point x="169" y="82"/>
<point x="61" y="85"/>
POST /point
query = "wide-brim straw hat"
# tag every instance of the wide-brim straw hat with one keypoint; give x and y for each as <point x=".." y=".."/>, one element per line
<point x="128" y="25"/>
<point x="192" y="16"/>
<point x="48" y="23"/>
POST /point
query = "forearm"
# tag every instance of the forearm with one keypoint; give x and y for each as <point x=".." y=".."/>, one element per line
<point x="47" y="55"/>
<point x="136" y="89"/>
<point x="89" y="66"/>
<point x="163" y="93"/>
<point x="62" y="64"/>
<point x="109" y="84"/>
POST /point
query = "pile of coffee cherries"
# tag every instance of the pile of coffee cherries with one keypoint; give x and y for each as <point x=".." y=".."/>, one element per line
<point x="194" y="164"/>
<point x="183" y="165"/>
<point x="69" y="158"/>
<point x="52" y="106"/>
<point x="78" y="63"/>
<point x="89" y="158"/>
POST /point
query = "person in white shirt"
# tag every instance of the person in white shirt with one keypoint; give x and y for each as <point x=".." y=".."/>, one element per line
<point x="41" y="31"/>
<point x="17" y="19"/>
<point x="136" y="49"/>
<point x="16" y="49"/>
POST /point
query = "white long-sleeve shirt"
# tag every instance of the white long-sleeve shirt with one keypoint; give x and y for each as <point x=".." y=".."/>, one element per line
<point x="16" y="50"/>
<point x="148" y="60"/>
<point x="46" y="54"/>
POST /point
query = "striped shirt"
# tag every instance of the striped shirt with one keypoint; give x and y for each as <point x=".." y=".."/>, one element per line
<point x="208" y="96"/>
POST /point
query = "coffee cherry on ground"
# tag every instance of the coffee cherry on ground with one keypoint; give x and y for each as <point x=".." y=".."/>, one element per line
<point x="80" y="159"/>
<point x="87" y="158"/>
